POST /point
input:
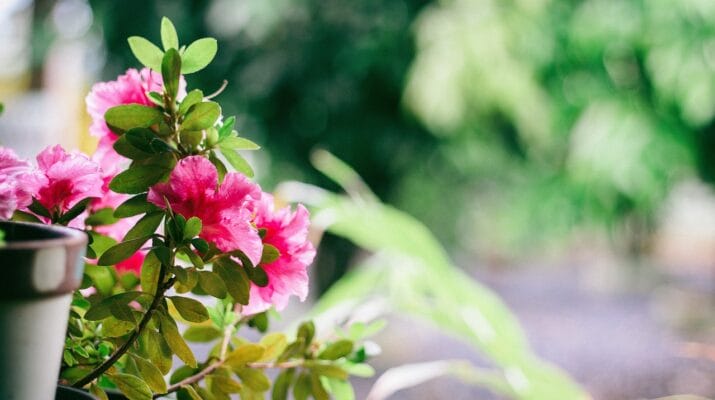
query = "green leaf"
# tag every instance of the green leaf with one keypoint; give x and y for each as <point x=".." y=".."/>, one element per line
<point x="151" y="374"/>
<point x="235" y="279"/>
<point x="193" y="257"/>
<point x="128" y="150"/>
<point x="292" y="350"/>
<point x="226" y="128"/>
<point x="281" y="386"/>
<point x="182" y="373"/>
<point x="317" y="388"/>
<point x="201" y="116"/>
<point x="238" y="143"/>
<point x="270" y="254"/>
<point x="138" y="178"/>
<point x="98" y="392"/>
<point x="302" y="388"/>
<point x="146" y="52"/>
<point x="220" y="167"/>
<point x="223" y="383"/>
<point x="193" y="97"/>
<point x="146" y="226"/>
<point x="200" y="244"/>
<point x="237" y="161"/>
<point x="245" y="354"/>
<point x="212" y="284"/>
<point x="102" y="309"/>
<point x="24" y="217"/>
<point x="131" y="386"/>
<point x="336" y="350"/>
<point x="306" y="331"/>
<point x="341" y="389"/>
<point x="192" y="228"/>
<point x="190" y="309"/>
<point x="198" y="55"/>
<point x="112" y="327"/>
<point x="141" y="139"/>
<point x="171" y="72"/>
<point x="104" y="216"/>
<point x="75" y="211"/>
<point x="193" y="394"/>
<point x="121" y="251"/>
<point x="254" y="379"/>
<point x="149" y="275"/>
<point x="175" y="341"/>
<point x="360" y="370"/>
<point x="39" y="209"/>
<point x="274" y="343"/>
<point x="326" y="369"/>
<point x="156" y="350"/>
<point x="101" y="277"/>
<point x="257" y="275"/>
<point x="127" y="116"/>
<point x="202" y="334"/>
<point x="134" y="206"/>
<point x="169" y="38"/>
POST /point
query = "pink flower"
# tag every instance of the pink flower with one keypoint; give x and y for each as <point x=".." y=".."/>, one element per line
<point x="288" y="232"/>
<point x="193" y="191"/>
<point x="18" y="183"/>
<point x="68" y="178"/>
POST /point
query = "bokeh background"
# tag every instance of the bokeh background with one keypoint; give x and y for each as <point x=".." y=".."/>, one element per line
<point x="563" y="152"/>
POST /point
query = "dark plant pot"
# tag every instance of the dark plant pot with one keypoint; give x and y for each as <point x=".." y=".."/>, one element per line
<point x="41" y="267"/>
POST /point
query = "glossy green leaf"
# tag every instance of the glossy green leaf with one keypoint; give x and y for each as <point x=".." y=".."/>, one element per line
<point x="201" y="116"/>
<point x="198" y="55"/>
<point x="224" y="383"/>
<point x="226" y="128"/>
<point x="190" y="309"/>
<point x="101" y="277"/>
<point x="75" y="211"/>
<point x="169" y="38"/>
<point x="104" y="216"/>
<point x="149" y="275"/>
<point x="138" y="178"/>
<point x="123" y="147"/>
<point x="155" y="348"/>
<point x="192" y="228"/>
<point x="146" y="52"/>
<point x="146" y="226"/>
<point x="121" y="251"/>
<point x="131" y="386"/>
<point x="127" y="116"/>
<point x="112" y="327"/>
<point x="39" y="209"/>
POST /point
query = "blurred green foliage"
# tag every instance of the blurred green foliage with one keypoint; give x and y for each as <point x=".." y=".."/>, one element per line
<point x="501" y="124"/>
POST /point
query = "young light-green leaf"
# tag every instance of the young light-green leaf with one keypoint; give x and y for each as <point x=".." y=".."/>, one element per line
<point x="169" y="38"/>
<point x="190" y="309"/>
<point x="239" y="143"/>
<point x="193" y="97"/>
<point x="245" y="354"/>
<point x="146" y="52"/>
<point x="237" y="161"/>
<point x="192" y="228"/>
<point x="198" y="55"/>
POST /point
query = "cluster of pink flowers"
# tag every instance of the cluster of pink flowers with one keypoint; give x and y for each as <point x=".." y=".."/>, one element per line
<point x="232" y="212"/>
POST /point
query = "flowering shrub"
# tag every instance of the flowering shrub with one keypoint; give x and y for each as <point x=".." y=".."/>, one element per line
<point x="168" y="222"/>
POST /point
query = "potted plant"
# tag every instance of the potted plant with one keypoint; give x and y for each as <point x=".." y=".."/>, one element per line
<point x="42" y="267"/>
<point x="180" y="239"/>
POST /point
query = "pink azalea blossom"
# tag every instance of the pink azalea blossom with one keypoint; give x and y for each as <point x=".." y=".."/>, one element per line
<point x="193" y="191"/>
<point x="18" y="183"/>
<point x="68" y="178"/>
<point x="288" y="232"/>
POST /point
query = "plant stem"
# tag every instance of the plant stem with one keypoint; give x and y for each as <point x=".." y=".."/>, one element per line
<point x="158" y="296"/>
<point x="214" y="366"/>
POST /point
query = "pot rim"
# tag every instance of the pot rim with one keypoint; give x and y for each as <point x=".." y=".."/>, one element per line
<point x="67" y="237"/>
